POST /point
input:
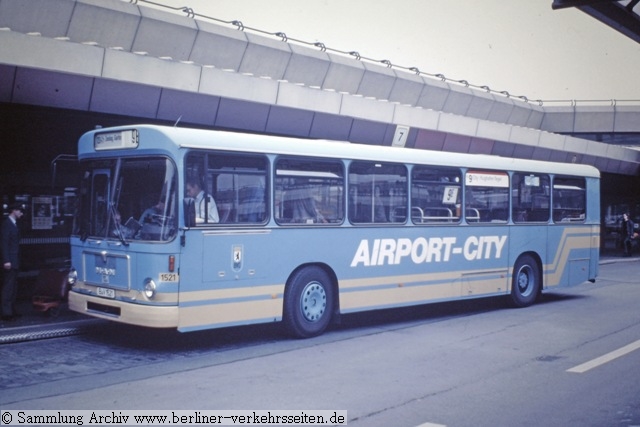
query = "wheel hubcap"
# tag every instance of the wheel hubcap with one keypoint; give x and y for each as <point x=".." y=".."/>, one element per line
<point x="525" y="280"/>
<point x="313" y="301"/>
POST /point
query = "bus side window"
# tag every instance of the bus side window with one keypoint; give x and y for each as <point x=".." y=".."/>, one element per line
<point x="530" y="197"/>
<point x="378" y="193"/>
<point x="435" y="195"/>
<point x="238" y="184"/>
<point x="487" y="196"/>
<point x="309" y="191"/>
<point x="569" y="199"/>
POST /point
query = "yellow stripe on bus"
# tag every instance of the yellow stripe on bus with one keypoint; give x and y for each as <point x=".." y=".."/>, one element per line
<point x="231" y="293"/>
<point x="242" y="312"/>
<point x="574" y="238"/>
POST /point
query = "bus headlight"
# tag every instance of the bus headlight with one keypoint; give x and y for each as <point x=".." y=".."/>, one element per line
<point x="72" y="277"/>
<point x="149" y="288"/>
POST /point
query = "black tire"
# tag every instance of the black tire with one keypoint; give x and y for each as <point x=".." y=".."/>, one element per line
<point x="308" y="302"/>
<point x="526" y="282"/>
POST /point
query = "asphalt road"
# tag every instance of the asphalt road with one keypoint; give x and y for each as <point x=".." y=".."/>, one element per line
<point x="571" y="360"/>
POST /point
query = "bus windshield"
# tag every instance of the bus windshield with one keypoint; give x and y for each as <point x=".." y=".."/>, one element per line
<point x="128" y="199"/>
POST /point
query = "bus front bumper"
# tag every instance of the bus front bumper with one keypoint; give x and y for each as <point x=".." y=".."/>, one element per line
<point x="152" y="316"/>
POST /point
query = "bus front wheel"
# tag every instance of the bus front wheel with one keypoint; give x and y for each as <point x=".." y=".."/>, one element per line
<point x="308" y="302"/>
<point x="526" y="282"/>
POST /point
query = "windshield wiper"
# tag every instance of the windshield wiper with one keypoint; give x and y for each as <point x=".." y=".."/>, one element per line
<point x="117" y="226"/>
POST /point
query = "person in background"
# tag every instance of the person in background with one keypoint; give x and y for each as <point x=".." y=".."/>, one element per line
<point x="203" y="202"/>
<point x="10" y="261"/>
<point x="626" y="232"/>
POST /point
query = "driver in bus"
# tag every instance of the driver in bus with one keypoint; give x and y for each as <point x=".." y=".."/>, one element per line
<point x="153" y="212"/>
<point x="195" y="191"/>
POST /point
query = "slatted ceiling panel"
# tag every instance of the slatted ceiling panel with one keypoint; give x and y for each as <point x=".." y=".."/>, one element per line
<point x="434" y="95"/>
<point x="367" y="132"/>
<point x="377" y="82"/>
<point x="481" y="146"/>
<point x="188" y="107"/>
<point x="406" y="88"/>
<point x="495" y="131"/>
<point x="308" y="98"/>
<point x="110" y="24"/>
<point x="50" y="54"/>
<point x="503" y="149"/>
<point x="307" y="66"/>
<point x="42" y="87"/>
<point x="329" y="126"/>
<point x="430" y="140"/>
<point x="344" y="74"/>
<point x="456" y="143"/>
<point x="559" y="156"/>
<point x="218" y="46"/>
<point x="49" y="18"/>
<point x="152" y="71"/>
<point x="265" y="57"/>
<point x="626" y="120"/>
<point x="242" y="115"/>
<point x="523" y="151"/>
<point x="595" y="118"/>
<point x="165" y="34"/>
<point x="368" y="109"/>
<point x="501" y="112"/>
<point x="530" y="117"/>
<point x="541" y="154"/>
<point x="289" y="121"/>
<point x="556" y="118"/>
<point x="124" y="98"/>
<point x="481" y="105"/>
<point x="458" y="101"/>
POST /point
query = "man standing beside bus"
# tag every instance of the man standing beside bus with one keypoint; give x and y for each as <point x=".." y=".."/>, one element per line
<point x="203" y="203"/>
<point x="10" y="261"/>
<point x="626" y="231"/>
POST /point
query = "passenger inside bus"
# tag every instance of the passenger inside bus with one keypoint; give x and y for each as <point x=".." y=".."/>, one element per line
<point x="203" y="203"/>
<point x="301" y="207"/>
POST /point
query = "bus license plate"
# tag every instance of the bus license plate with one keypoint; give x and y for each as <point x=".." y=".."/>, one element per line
<point x="106" y="293"/>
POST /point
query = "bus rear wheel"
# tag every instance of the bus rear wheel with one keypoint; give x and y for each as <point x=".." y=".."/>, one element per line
<point x="308" y="302"/>
<point x="526" y="282"/>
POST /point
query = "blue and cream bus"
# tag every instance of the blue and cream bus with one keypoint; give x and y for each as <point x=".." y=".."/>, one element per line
<point x="306" y="230"/>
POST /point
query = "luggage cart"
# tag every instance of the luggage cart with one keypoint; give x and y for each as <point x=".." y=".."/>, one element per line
<point x="51" y="291"/>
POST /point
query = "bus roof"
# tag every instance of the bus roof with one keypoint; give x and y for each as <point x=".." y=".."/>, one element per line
<point x="267" y="144"/>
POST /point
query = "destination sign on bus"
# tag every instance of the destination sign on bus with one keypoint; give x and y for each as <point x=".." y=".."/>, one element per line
<point x="377" y="252"/>
<point x="487" y="179"/>
<point x="116" y="140"/>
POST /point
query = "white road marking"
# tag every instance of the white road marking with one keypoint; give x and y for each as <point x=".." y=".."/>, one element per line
<point x="431" y="425"/>
<point x="580" y="369"/>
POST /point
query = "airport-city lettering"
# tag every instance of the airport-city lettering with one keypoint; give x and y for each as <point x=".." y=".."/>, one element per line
<point x="434" y="249"/>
